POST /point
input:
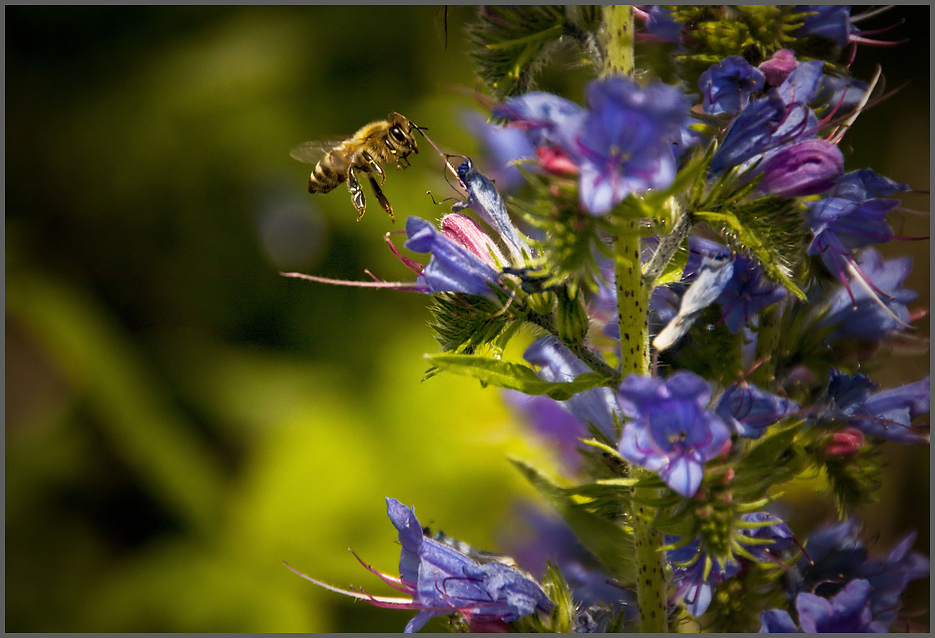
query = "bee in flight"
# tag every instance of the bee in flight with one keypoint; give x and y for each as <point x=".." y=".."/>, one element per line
<point x="371" y="147"/>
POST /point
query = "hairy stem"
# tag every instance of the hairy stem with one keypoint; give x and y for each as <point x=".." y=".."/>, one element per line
<point x="633" y="316"/>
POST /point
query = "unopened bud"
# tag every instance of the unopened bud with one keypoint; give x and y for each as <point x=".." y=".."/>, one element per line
<point x="571" y="318"/>
<point x="845" y="443"/>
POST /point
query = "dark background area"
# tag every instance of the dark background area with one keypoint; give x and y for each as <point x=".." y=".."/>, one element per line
<point x="180" y="418"/>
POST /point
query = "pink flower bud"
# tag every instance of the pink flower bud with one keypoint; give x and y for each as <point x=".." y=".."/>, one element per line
<point x="465" y="232"/>
<point x="845" y="443"/>
<point x="778" y="67"/>
<point x="556" y="161"/>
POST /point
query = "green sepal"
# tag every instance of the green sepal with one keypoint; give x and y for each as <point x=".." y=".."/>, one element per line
<point x="513" y="376"/>
<point x="743" y="237"/>
<point x="611" y="543"/>
<point x="463" y="323"/>
<point x="562" y="619"/>
<point x="773" y="460"/>
<point x="508" y="43"/>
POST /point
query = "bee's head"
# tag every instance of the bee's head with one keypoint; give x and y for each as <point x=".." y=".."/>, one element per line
<point x="401" y="131"/>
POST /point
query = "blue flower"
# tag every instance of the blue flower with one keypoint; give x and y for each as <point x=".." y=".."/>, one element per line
<point x="746" y="294"/>
<point x="872" y="304"/>
<point x="484" y="200"/>
<point x="748" y="411"/>
<point x="452" y="267"/>
<point x="780" y="118"/>
<point x="627" y="145"/>
<point x="546" y="118"/>
<point x="829" y="21"/>
<point x="777" y="532"/>
<point x="441" y="580"/>
<point x="864" y="184"/>
<point x="558" y="364"/>
<point x="887" y="414"/>
<point x="890" y="577"/>
<point x="777" y="621"/>
<point x="835" y="556"/>
<point x="504" y="145"/>
<point x="848" y="612"/>
<point x="671" y="432"/>
<point x="727" y="85"/>
<point x="841" y="225"/>
<point x="696" y="575"/>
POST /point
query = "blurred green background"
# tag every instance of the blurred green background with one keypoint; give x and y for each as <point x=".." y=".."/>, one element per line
<point x="180" y="418"/>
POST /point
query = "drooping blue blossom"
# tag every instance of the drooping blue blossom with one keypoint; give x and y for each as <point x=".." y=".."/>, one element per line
<point x="887" y="414"/>
<point x="558" y="364"/>
<point x="440" y="580"/>
<point x="748" y="410"/>
<point x="864" y="184"/>
<point x="727" y="85"/>
<point x="693" y="587"/>
<point x="841" y="225"/>
<point x="484" y="200"/>
<point x="832" y="21"/>
<point x="671" y="432"/>
<point x="445" y="581"/>
<point x="504" y="146"/>
<point x="873" y="304"/>
<point x="780" y="118"/>
<point x="628" y="141"/>
<point x="452" y="267"/>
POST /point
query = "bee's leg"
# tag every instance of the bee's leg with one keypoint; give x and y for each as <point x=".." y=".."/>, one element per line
<point x="376" y="168"/>
<point x="384" y="202"/>
<point x="357" y="193"/>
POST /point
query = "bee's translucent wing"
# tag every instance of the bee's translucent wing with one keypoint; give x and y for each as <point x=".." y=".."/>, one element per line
<point x="311" y="152"/>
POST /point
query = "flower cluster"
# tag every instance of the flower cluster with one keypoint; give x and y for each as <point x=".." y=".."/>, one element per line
<point x="699" y="272"/>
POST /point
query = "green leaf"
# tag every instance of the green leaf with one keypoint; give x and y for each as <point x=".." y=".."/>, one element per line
<point x="513" y="376"/>
<point x="612" y="544"/>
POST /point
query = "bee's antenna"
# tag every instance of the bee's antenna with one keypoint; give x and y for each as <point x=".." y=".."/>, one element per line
<point x="445" y="155"/>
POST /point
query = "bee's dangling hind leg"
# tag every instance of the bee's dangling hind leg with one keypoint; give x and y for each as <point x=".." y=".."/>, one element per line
<point x="384" y="202"/>
<point x="357" y="193"/>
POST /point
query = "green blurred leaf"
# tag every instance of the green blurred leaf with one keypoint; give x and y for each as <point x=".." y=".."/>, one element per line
<point x="513" y="376"/>
<point x="148" y="435"/>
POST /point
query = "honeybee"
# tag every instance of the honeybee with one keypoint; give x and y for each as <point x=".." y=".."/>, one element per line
<point x="366" y="152"/>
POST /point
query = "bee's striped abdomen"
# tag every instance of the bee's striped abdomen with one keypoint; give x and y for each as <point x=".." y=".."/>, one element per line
<point x="325" y="176"/>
